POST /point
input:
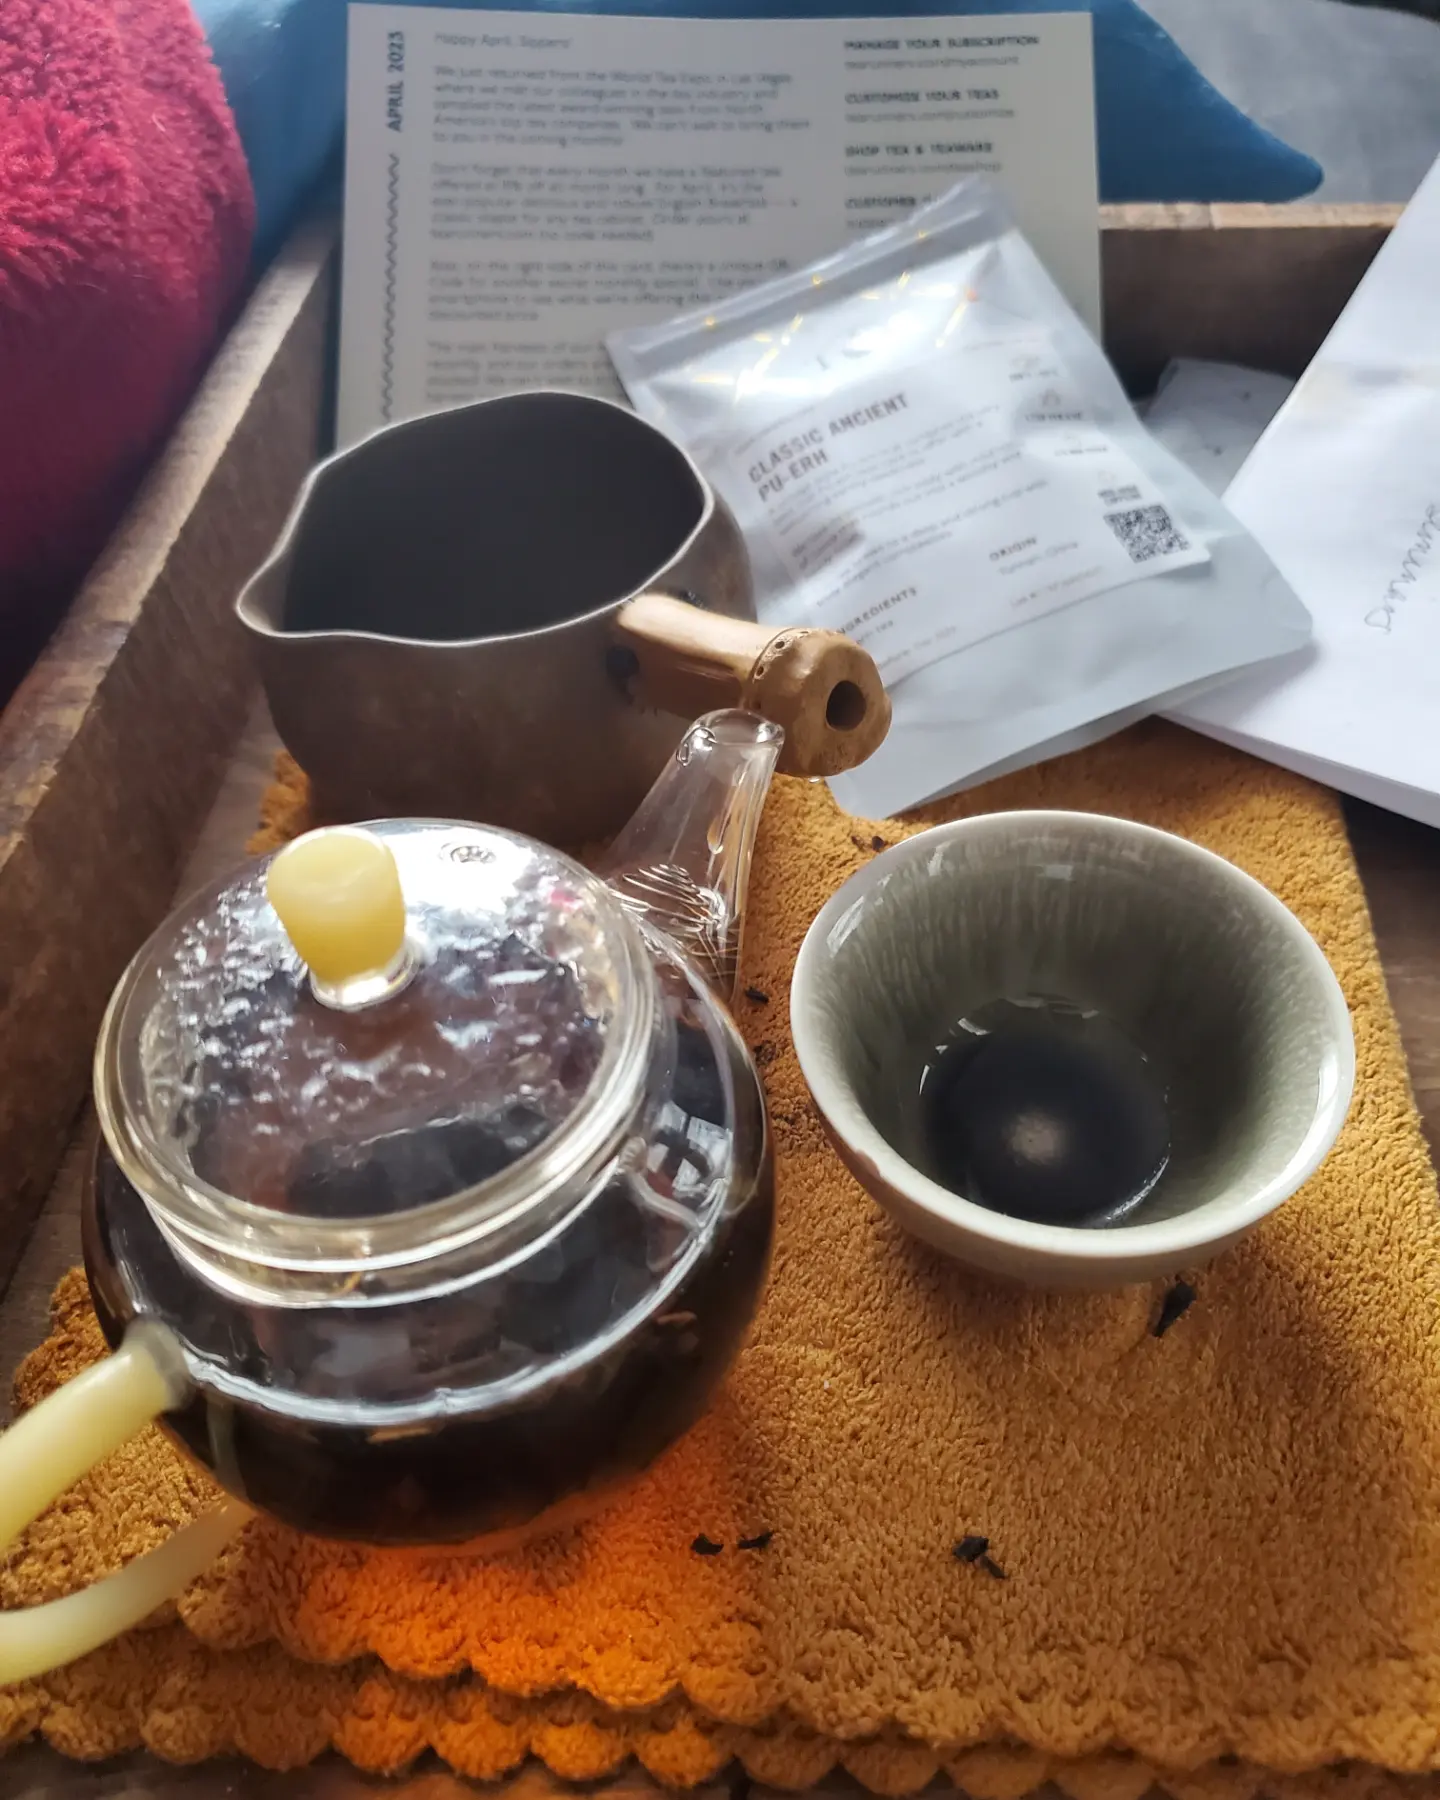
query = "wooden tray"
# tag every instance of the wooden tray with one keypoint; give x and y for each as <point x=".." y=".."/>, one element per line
<point x="111" y="757"/>
<point x="112" y="749"/>
<point x="1256" y="285"/>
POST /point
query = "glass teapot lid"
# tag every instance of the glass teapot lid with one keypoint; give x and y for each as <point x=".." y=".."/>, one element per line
<point x="374" y="1020"/>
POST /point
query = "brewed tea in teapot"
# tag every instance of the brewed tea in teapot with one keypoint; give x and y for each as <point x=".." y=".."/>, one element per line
<point x="434" y="1197"/>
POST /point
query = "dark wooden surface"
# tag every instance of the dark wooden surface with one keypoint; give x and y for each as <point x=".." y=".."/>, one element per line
<point x="1400" y="863"/>
<point x="1258" y="285"/>
<point x="35" y="1773"/>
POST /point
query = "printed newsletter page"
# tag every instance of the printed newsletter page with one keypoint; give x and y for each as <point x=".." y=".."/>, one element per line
<point x="517" y="185"/>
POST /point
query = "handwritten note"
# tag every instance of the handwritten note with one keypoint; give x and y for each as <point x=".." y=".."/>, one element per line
<point x="1417" y="579"/>
<point x="1344" y="492"/>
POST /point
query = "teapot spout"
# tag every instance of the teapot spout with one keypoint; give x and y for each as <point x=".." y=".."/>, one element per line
<point x="682" y="864"/>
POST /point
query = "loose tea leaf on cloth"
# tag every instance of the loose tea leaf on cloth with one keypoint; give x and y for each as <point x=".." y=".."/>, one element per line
<point x="1216" y="1521"/>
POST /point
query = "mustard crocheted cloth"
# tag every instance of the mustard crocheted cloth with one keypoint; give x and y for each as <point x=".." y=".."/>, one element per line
<point x="1212" y="1549"/>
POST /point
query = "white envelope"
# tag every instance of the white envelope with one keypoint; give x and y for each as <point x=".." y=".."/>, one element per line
<point x="1343" y="491"/>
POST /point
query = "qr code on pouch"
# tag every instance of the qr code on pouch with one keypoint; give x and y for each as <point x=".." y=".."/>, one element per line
<point x="1146" y="532"/>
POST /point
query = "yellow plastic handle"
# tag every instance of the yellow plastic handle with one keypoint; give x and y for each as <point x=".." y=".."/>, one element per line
<point x="51" y="1447"/>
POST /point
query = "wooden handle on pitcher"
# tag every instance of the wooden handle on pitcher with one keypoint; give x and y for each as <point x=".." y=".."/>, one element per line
<point x="822" y="687"/>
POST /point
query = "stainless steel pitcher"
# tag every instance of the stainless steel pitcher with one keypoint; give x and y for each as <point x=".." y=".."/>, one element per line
<point x="510" y="612"/>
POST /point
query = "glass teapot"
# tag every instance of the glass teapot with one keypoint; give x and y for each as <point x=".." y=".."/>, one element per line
<point x="433" y="1198"/>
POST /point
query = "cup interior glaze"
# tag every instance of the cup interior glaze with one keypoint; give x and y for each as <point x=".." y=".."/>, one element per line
<point x="1202" y="968"/>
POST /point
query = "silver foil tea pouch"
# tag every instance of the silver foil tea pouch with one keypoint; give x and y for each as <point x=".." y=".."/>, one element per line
<point x="927" y="450"/>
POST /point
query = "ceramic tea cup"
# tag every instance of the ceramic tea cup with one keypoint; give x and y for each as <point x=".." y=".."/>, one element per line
<point x="1218" y="987"/>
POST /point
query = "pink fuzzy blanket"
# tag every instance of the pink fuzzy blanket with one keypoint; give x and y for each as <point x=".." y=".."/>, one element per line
<point x="125" y="224"/>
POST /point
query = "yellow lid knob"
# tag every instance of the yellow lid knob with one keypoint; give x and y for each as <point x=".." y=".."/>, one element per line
<point x="338" y="895"/>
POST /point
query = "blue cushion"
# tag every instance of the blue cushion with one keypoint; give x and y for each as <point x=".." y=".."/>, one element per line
<point x="1164" y="132"/>
<point x="283" y="65"/>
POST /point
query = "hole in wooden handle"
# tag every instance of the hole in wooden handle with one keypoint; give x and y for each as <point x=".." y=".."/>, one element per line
<point x="846" y="708"/>
<point x="822" y="687"/>
<point x="827" y="693"/>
